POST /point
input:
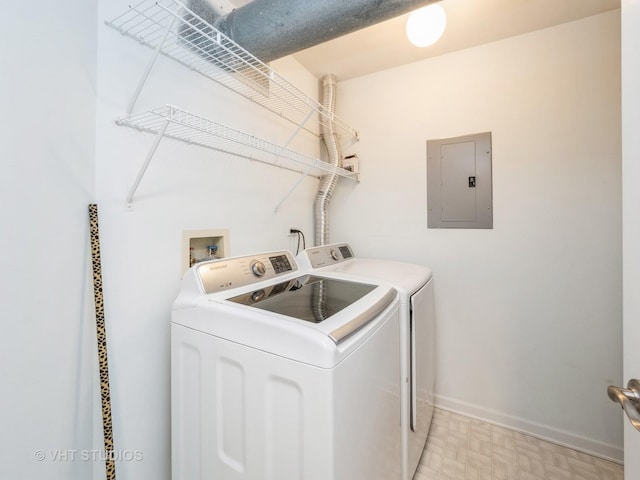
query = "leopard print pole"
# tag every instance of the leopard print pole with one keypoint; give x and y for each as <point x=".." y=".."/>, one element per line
<point x="102" y="342"/>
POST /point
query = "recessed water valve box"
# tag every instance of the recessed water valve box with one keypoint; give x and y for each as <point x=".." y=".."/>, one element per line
<point x="201" y="245"/>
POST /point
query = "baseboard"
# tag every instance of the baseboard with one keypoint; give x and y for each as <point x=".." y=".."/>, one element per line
<point x="596" y="448"/>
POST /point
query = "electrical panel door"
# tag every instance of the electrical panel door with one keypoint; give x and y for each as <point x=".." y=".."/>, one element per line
<point x="459" y="182"/>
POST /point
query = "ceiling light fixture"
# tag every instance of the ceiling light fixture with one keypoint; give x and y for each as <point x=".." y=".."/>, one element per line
<point x="426" y="25"/>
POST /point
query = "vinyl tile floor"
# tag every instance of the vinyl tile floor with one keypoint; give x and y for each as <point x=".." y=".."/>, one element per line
<point x="461" y="448"/>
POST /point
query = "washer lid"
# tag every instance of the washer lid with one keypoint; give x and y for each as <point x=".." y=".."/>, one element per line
<point x="315" y="299"/>
<point x="324" y="344"/>
<point x="309" y="298"/>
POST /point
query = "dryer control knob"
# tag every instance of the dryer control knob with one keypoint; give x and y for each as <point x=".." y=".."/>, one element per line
<point x="258" y="268"/>
<point x="334" y="255"/>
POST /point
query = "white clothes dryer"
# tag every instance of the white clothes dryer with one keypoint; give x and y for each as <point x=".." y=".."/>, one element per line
<point x="414" y="284"/>
<point x="272" y="381"/>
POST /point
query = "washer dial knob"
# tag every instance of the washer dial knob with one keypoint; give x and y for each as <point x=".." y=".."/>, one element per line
<point x="334" y="255"/>
<point x="258" y="268"/>
<point x="257" y="295"/>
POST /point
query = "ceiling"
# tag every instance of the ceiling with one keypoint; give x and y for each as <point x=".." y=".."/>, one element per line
<point x="469" y="23"/>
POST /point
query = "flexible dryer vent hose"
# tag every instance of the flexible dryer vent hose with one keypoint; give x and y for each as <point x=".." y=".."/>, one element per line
<point x="326" y="188"/>
<point x="105" y="393"/>
<point x="327" y="182"/>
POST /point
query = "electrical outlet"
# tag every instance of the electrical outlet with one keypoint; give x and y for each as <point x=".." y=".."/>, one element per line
<point x="351" y="163"/>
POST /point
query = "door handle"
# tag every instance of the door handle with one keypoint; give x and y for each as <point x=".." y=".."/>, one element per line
<point x="629" y="399"/>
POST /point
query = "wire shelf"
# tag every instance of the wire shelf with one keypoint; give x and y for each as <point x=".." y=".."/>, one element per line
<point x="173" y="122"/>
<point x="178" y="33"/>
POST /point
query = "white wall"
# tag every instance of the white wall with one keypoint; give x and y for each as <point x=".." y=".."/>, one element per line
<point x="47" y="86"/>
<point x="185" y="188"/>
<point x="529" y="313"/>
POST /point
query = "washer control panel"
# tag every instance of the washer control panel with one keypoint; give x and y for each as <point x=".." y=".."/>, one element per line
<point x="326" y="255"/>
<point x="227" y="273"/>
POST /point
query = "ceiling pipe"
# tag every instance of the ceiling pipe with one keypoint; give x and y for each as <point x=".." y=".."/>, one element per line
<point x="272" y="29"/>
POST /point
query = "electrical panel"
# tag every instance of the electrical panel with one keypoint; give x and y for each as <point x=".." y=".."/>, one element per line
<point x="459" y="185"/>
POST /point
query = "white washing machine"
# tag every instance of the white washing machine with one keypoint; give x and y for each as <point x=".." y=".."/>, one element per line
<point x="268" y="384"/>
<point x="417" y="329"/>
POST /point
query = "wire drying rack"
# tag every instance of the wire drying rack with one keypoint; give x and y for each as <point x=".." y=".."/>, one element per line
<point x="178" y="124"/>
<point x="170" y="28"/>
